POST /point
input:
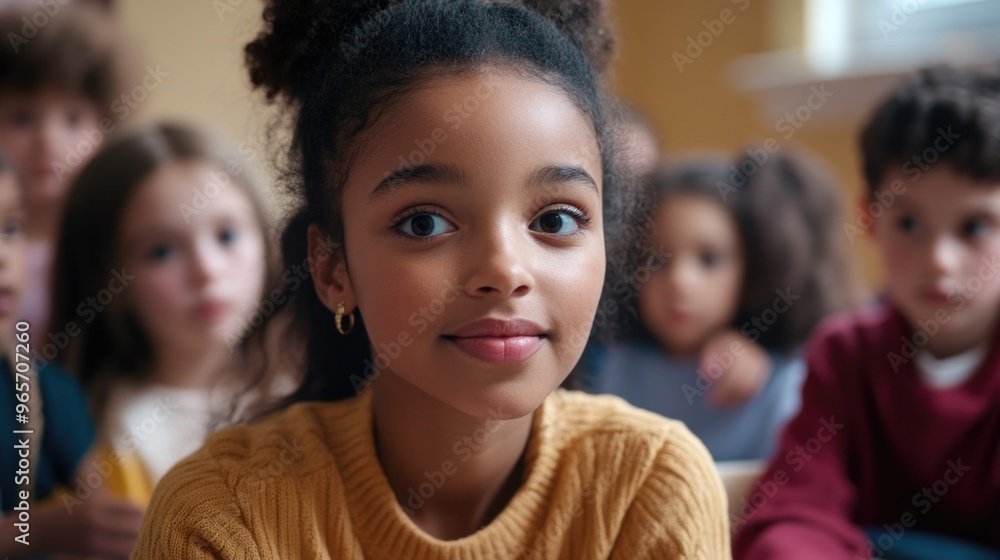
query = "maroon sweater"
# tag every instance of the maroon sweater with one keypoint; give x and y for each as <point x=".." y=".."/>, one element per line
<point x="873" y="445"/>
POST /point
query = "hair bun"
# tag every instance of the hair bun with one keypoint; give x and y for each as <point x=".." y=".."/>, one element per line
<point x="298" y="33"/>
<point x="587" y="21"/>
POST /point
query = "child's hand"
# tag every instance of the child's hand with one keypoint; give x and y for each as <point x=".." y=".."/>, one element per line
<point x="101" y="526"/>
<point x="735" y="367"/>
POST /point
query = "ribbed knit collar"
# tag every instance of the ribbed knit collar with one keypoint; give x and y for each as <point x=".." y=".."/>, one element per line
<point x="386" y="531"/>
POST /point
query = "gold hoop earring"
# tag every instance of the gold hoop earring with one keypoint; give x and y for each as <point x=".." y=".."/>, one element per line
<point x="340" y="317"/>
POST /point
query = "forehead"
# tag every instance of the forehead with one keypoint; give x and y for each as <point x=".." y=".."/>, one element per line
<point x="691" y="215"/>
<point x="940" y="190"/>
<point x="182" y="194"/>
<point x="491" y="124"/>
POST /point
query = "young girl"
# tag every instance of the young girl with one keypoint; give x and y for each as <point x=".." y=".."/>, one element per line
<point x="458" y="189"/>
<point x="747" y="266"/>
<point x="162" y="261"/>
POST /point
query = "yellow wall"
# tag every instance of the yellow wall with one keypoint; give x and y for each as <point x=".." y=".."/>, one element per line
<point x="199" y="43"/>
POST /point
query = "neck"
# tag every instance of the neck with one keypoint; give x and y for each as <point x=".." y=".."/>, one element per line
<point x="451" y="472"/>
<point x="951" y="343"/>
<point x="189" y="369"/>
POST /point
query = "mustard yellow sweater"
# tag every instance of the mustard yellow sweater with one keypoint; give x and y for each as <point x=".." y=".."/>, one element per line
<point x="601" y="480"/>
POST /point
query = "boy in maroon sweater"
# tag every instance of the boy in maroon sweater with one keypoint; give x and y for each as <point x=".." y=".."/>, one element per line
<point x="896" y="450"/>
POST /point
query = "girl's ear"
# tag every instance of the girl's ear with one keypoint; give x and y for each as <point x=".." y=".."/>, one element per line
<point x="329" y="271"/>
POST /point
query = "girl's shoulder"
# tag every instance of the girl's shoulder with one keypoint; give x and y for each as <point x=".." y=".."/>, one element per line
<point x="247" y="449"/>
<point x="579" y="423"/>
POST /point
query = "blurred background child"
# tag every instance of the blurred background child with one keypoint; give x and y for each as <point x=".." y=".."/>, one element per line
<point x="162" y="261"/>
<point x="739" y="270"/>
<point x="58" y="520"/>
<point x="57" y="93"/>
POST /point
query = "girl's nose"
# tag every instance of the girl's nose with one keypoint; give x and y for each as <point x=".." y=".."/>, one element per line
<point x="681" y="275"/>
<point x="499" y="266"/>
<point x="207" y="263"/>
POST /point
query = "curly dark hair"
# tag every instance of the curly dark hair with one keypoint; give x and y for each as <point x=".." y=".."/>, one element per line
<point x="962" y="106"/>
<point x="336" y="66"/>
<point x="787" y="213"/>
<point x="78" y="51"/>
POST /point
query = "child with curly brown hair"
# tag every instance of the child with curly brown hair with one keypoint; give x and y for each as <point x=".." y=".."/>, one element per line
<point x="747" y="264"/>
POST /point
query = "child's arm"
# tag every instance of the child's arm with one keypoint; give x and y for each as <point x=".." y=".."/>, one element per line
<point x="801" y="506"/>
<point x="735" y="366"/>
<point x="194" y="515"/>
<point x="680" y="509"/>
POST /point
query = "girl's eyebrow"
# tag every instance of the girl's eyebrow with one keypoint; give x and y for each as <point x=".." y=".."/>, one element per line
<point x="450" y="175"/>
<point x="561" y="173"/>
<point x="429" y="173"/>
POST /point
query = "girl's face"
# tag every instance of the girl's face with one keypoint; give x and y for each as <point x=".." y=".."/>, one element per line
<point x="697" y="290"/>
<point x="198" y="260"/>
<point x="474" y="241"/>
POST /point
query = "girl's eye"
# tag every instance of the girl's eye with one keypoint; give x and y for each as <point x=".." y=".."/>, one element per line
<point x="907" y="224"/>
<point x="74" y="119"/>
<point x="423" y="225"/>
<point x="161" y="253"/>
<point x="559" y="222"/>
<point x="976" y="228"/>
<point x="19" y="118"/>
<point x="710" y="260"/>
<point x="11" y="228"/>
<point x="227" y="236"/>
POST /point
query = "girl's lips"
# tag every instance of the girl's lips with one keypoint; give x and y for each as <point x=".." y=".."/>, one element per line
<point x="934" y="296"/>
<point x="498" y="349"/>
<point x="211" y="309"/>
